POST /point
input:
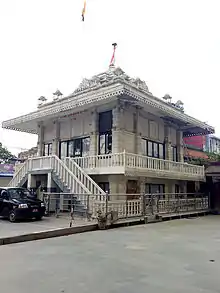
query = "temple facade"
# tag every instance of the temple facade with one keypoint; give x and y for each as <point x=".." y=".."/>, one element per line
<point x="110" y="135"/>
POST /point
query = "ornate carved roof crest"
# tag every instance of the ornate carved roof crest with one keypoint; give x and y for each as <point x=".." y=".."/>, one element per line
<point x="108" y="77"/>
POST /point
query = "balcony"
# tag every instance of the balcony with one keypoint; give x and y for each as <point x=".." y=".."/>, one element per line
<point x="138" y="165"/>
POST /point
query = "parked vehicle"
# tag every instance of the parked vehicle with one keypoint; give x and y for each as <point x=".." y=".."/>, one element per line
<point x="19" y="203"/>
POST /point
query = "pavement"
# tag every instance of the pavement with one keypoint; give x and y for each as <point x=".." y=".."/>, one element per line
<point x="13" y="232"/>
<point x="175" y="256"/>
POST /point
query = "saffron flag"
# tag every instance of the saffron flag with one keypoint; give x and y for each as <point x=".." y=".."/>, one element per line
<point x="84" y="10"/>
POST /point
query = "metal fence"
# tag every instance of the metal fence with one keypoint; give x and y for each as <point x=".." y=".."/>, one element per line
<point x="126" y="206"/>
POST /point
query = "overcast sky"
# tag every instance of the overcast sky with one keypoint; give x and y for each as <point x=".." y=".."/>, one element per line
<point x="174" y="45"/>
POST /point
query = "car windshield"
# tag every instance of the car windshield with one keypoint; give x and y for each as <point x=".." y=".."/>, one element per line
<point x="19" y="193"/>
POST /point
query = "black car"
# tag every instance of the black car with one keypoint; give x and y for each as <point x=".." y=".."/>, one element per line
<point x="19" y="203"/>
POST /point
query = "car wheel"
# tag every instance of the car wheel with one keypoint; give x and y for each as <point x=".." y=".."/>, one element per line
<point x="12" y="216"/>
<point x="39" y="218"/>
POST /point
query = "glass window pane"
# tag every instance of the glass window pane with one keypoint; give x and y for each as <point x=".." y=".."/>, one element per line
<point x="63" y="150"/>
<point x="102" y="144"/>
<point x="155" y="188"/>
<point x="50" y="149"/>
<point x="149" y="148"/>
<point x="77" y="148"/>
<point x="108" y="143"/>
<point x="144" y="147"/>
<point x="71" y="148"/>
<point x="155" y="150"/>
<point x="85" y="146"/>
<point x="46" y="150"/>
<point x="161" y="151"/>
<point x="147" y="188"/>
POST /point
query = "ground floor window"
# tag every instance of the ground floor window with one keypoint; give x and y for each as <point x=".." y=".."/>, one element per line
<point x="47" y="149"/>
<point x="177" y="188"/>
<point x="154" y="188"/>
<point x="75" y="148"/>
<point x="104" y="186"/>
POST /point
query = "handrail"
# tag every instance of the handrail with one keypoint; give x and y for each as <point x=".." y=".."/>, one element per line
<point x="71" y="174"/>
<point x="14" y="179"/>
<point x="97" y="189"/>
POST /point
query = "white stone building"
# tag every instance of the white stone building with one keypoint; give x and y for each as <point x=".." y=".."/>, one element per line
<point x="111" y="134"/>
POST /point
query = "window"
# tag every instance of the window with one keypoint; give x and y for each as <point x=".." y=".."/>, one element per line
<point x="104" y="186"/>
<point x="85" y="146"/>
<point x="174" y="153"/>
<point x="47" y="149"/>
<point x="152" y="149"/>
<point x="71" y="149"/>
<point x="177" y="188"/>
<point x="79" y="147"/>
<point x="105" y="143"/>
<point x="63" y="149"/>
<point x="154" y="188"/>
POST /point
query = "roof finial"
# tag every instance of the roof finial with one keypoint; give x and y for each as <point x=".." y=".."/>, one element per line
<point x="112" y="62"/>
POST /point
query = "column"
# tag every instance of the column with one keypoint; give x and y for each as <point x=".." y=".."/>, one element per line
<point x="30" y="181"/>
<point x="179" y="145"/>
<point x="49" y="182"/>
<point x="94" y="134"/>
<point x="116" y="146"/>
<point x="56" y="140"/>
<point x="40" y="143"/>
<point x="168" y="143"/>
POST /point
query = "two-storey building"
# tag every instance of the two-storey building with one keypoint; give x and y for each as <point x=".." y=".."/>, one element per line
<point x="111" y="134"/>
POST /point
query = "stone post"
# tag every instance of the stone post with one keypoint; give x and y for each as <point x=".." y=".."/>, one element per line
<point x="94" y="134"/>
<point x="56" y="140"/>
<point x="168" y="143"/>
<point x="116" y="143"/>
<point x="40" y="143"/>
<point x="179" y="145"/>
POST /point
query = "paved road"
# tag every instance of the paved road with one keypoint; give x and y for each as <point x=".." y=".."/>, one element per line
<point x="8" y="229"/>
<point x="166" y="257"/>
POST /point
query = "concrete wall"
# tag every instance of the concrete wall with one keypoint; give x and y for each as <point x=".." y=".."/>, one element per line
<point x="130" y="125"/>
<point x="4" y="181"/>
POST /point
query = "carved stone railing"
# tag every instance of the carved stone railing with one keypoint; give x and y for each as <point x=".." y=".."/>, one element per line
<point x="133" y="164"/>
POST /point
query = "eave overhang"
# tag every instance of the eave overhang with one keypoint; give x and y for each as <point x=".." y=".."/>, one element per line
<point x="104" y="88"/>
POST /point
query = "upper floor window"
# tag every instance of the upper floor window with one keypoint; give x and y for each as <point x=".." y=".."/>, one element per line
<point x="79" y="147"/>
<point x="105" y="143"/>
<point x="47" y="149"/>
<point x="153" y="149"/>
<point x="174" y="153"/>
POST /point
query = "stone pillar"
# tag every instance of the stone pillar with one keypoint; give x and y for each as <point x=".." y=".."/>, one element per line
<point x="49" y="182"/>
<point x="56" y="140"/>
<point x="40" y="143"/>
<point x="116" y="143"/>
<point x="179" y="145"/>
<point x="94" y="135"/>
<point x="168" y="143"/>
<point x="30" y="181"/>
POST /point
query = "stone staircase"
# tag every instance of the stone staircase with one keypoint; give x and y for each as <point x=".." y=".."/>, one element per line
<point x="67" y="174"/>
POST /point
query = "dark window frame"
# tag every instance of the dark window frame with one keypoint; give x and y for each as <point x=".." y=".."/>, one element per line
<point x="174" y="153"/>
<point x="73" y="141"/>
<point x="161" y="188"/>
<point x="155" y="149"/>
<point x="48" y="146"/>
<point x="107" y="143"/>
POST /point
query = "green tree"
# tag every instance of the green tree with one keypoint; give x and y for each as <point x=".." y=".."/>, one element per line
<point x="5" y="155"/>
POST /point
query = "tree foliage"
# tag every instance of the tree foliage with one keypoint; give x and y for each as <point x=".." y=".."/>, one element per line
<point x="205" y="162"/>
<point x="5" y="155"/>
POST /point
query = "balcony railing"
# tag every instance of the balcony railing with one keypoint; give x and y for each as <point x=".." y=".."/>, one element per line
<point x="133" y="164"/>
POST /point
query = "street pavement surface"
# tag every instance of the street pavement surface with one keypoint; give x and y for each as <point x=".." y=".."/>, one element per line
<point x="8" y="229"/>
<point x="177" y="256"/>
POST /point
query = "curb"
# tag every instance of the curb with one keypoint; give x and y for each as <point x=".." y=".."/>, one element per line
<point x="47" y="234"/>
